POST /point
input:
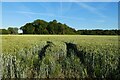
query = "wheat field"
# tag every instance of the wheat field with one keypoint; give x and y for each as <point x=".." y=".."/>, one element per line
<point x="59" y="56"/>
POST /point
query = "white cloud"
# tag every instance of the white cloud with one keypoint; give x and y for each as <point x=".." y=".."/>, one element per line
<point x="59" y="0"/>
<point x="100" y="21"/>
<point x="71" y="18"/>
<point x="28" y="14"/>
<point x="91" y="9"/>
<point x="92" y="0"/>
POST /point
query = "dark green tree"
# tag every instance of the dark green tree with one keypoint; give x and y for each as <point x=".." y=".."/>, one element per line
<point x="28" y="28"/>
<point x="43" y="27"/>
<point x="12" y="30"/>
<point x="4" y="31"/>
<point x="40" y="26"/>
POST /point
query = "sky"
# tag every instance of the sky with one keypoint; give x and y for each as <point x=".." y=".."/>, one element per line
<point x="78" y="15"/>
<point x="60" y="0"/>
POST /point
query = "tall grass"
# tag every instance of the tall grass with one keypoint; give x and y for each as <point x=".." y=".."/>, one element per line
<point x="58" y="56"/>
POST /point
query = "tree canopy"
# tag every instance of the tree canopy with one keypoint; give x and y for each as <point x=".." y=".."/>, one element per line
<point x="54" y="27"/>
<point x="10" y="30"/>
<point x="42" y="27"/>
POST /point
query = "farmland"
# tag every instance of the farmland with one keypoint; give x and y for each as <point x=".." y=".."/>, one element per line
<point x="60" y="56"/>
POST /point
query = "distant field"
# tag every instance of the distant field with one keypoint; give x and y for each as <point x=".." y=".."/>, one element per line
<point x="60" y="56"/>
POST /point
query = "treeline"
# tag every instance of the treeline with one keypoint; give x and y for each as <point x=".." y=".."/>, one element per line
<point x="99" y="32"/>
<point x="53" y="27"/>
<point x="10" y="30"/>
